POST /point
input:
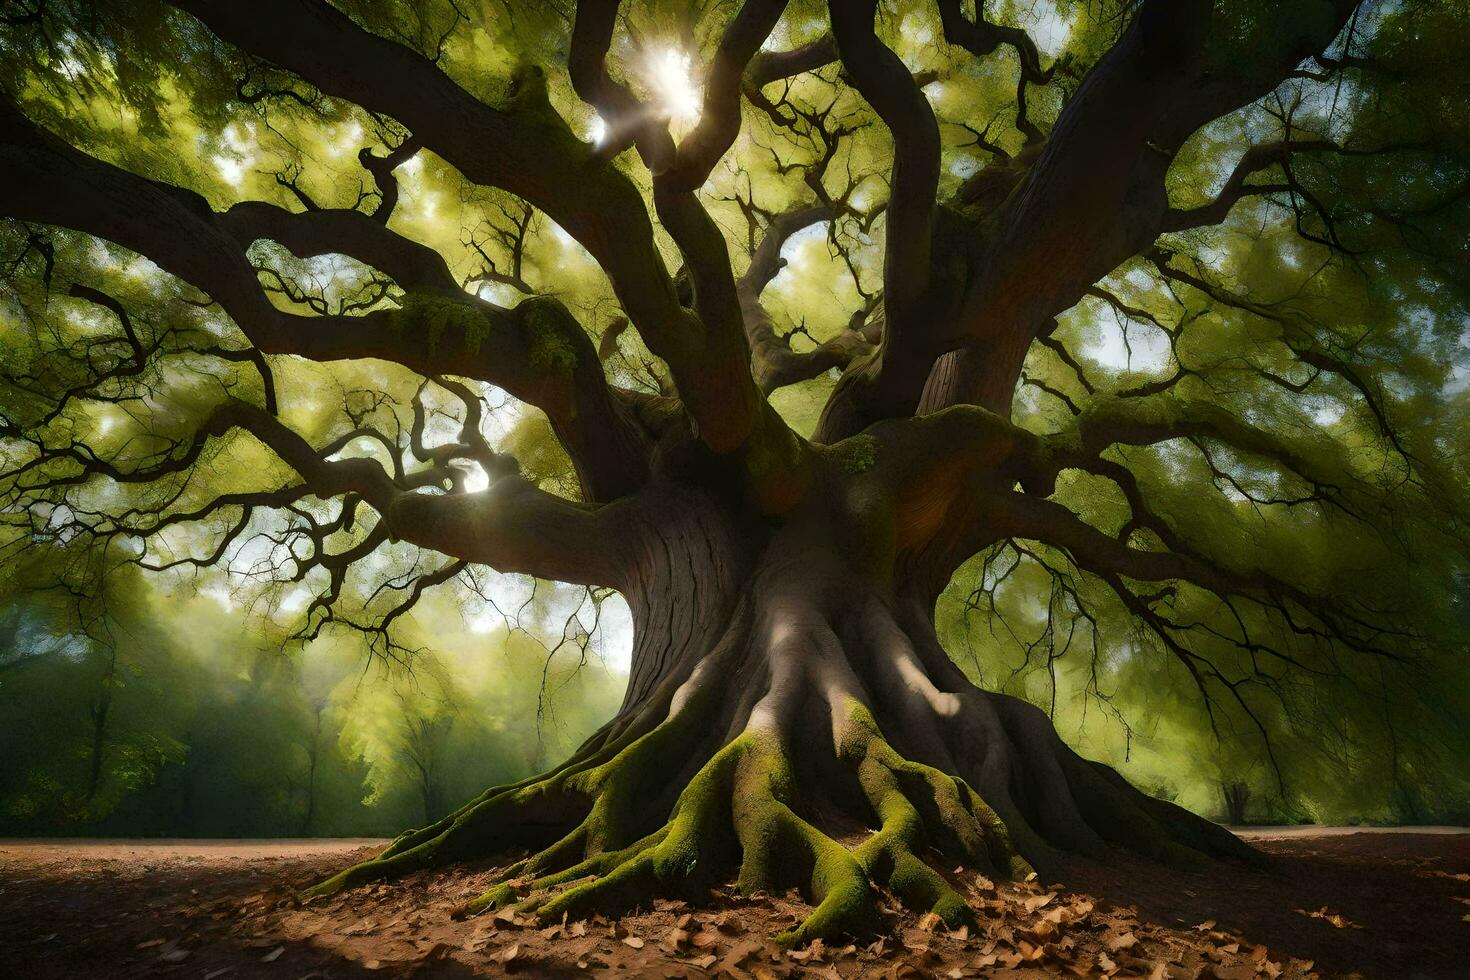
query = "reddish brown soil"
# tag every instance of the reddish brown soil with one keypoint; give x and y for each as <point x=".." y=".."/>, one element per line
<point x="1388" y="905"/>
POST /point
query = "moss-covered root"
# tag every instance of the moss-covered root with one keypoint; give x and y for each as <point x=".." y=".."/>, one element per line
<point x="739" y="801"/>
<point x="671" y="859"/>
<point x="619" y="790"/>
<point x="505" y="893"/>
<point x="957" y="819"/>
<point x="777" y="845"/>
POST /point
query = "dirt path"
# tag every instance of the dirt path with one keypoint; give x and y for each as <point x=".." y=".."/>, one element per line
<point x="1389" y="905"/>
<point x="1310" y="830"/>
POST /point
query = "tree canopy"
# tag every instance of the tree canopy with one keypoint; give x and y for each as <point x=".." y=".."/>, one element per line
<point x="338" y="306"/>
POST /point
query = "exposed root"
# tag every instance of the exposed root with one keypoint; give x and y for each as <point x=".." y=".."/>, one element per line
<point x="958" y="821"/>
<point x="703" y="779"/>
<point x="746" y="787"/>
<point x="668" y="859"/>
<point x="749" y="788"/>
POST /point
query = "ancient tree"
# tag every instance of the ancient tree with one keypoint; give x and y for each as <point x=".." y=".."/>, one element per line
<point x="271" y="267"/>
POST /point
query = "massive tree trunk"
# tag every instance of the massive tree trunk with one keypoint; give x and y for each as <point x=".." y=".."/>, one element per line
<point x="791" y="714"/>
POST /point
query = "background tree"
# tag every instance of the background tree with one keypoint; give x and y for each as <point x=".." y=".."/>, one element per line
<point x="287" y="276"/>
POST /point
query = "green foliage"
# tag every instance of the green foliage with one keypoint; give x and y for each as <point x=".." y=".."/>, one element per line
<point x="1347" y="740"/>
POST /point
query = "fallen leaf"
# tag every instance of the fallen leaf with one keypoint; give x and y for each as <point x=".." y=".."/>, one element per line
<point x="633" y="941"/>
<point x="510" y="952"/>
<point x="1039" y="901"/>
<point x="1126" y="941"/>
<point x="1031" y="952"/>
<point x="1331" y="918"/>
<point x="929" y="921"/>
<point x="739" y="954"/>
<point x="273" y="955"/>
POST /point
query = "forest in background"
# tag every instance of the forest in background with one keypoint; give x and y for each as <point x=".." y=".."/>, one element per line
<point x="191" y="718"/>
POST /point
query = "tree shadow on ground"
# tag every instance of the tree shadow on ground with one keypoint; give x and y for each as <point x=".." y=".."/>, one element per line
<point x="1398" y="904"/>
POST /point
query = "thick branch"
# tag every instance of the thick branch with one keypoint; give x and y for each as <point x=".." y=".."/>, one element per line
<point x="884" y="81"/>
<point x="719" y="120"/>
<point x="772" y="66"/>
<point x="413" y="266"/>
<point x="536" y="351"/>
<point x="513" y="527"/>
<point x="1095" y="196"/>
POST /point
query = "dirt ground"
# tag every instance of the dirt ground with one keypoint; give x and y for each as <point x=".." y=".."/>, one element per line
<point x="1341" y="903"/>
